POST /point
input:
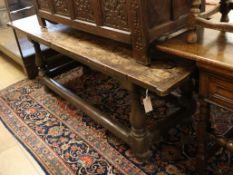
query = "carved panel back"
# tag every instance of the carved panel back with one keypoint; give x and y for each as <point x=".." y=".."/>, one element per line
<point x="115" y="14"/>
<point x="83" y="10"/>
<point x="61" y="7"/>
<point x="135" y="22"/>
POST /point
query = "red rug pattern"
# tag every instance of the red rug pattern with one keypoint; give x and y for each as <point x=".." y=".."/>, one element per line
<point x="66" y="141"/>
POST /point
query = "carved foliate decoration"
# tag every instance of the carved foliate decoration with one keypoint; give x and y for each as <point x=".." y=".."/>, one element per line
<point x="115" y="13"/>
<point x="43" y="4"/>
<point x="61" y="6"/>
<point x="83" y="10"/>
<point x="139" y="37"/>
<point x="137" y="26"/>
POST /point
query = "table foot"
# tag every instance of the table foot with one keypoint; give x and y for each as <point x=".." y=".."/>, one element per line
<point x="139" y="137"/>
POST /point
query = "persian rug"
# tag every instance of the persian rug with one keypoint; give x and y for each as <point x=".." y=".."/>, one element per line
<point x="64" y="140"/>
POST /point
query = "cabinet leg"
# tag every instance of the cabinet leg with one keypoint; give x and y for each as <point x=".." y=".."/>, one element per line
<point x="192" y="36"/>
<point x="187" y="99"/>
<point x="201" y="131"/>
<point x="139" y="137"/>
<point x="41" y="21"/>
<point x="187" y="89"/>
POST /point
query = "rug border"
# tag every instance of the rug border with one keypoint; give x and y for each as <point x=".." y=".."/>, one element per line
<point x="24" y="146"/>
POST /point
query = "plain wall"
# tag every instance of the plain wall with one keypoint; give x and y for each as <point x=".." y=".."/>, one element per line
<point x="2" y="4"/>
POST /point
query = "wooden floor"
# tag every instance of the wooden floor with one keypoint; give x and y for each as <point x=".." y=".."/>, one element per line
<point x="14" y="160"/>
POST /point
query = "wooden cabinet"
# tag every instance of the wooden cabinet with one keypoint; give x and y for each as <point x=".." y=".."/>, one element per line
<point x="135" y="22"/>
<point x="216" y="88"/>
<point x="221" y="91"/>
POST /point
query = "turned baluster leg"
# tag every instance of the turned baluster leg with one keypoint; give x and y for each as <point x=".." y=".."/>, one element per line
<point x="140" y="144"/>
<point x="224" y="9"/>
<point x="194" y="12"/>
<point x="201" y="132"/>
<point x="229" y="145"/>
<point x="40" y="63"/>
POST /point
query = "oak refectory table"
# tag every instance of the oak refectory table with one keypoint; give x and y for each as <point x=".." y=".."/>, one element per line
<point x="113" y="59"/>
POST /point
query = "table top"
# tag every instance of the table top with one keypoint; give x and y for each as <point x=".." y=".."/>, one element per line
<point x="214" y="48"/>
<point x="106" y="56"/>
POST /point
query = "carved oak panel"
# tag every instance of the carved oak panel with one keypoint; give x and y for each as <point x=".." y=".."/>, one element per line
<point x="139" y="38"/>
<point x="115" y="14"/>
<point x="43" y="4"/>
<point x="61" y="7"/>
<point x="83" y="10"/>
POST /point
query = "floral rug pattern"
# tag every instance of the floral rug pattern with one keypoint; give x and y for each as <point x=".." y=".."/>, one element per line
<point x="66" y="141"/>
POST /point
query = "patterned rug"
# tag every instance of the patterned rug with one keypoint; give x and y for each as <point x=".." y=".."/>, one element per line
<point x="66" y="141"/>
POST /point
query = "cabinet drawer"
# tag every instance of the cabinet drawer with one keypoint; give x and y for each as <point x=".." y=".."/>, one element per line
<point x="221" y="91"/>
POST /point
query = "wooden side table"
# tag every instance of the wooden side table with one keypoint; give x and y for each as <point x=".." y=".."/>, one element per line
<point x="213" y="56"/>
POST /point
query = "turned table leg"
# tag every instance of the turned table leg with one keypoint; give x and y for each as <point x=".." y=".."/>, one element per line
<point x="139" y="141"/>
<point x="194" y="12"/>
<point x="40" y="63"/>
<point x="224" y="9"/>
<point x="201" y="132"/>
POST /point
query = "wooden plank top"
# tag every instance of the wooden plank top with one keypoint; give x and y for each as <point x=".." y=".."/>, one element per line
<point x="214" y="48"/>
<point x="107" y="56"/>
